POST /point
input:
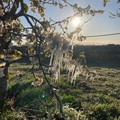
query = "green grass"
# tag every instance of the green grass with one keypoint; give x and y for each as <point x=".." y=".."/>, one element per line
<point x="98" y="100"/>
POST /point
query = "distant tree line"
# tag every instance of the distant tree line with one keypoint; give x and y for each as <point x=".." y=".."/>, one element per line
<point x="101" y="56"/>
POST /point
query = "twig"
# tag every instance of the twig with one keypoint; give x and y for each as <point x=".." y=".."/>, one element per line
<point x="41" y="66"/>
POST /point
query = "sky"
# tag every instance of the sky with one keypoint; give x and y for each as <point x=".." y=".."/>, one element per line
<point x="99" y="24"/>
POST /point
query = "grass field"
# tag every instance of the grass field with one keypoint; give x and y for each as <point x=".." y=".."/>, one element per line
<point x="97" y="100"/>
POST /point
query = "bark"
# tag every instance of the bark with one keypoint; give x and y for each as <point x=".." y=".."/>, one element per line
<point x="3" y="89"/>
<point x="3" y="79"/>
<point x="3" y="84"/>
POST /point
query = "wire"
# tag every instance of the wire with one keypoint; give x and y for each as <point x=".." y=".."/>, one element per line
<point x="103" y="35"/>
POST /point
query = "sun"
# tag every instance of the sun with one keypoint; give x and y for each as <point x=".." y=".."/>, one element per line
<point x="76" y="21"/>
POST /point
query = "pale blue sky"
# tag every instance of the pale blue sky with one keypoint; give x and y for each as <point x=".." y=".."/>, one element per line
<point x="100" y="24"/>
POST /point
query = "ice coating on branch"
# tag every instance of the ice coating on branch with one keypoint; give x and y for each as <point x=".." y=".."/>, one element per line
<point x="62" y="58"/>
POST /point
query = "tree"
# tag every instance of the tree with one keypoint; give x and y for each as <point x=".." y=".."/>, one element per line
<point x="106" y="1"/>
<point x="41" y="33"/>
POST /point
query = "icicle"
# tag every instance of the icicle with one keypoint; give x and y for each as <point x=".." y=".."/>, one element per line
<point x="52" y="56"/>
<point x="71" y="69"/>
<point x="75" y="75"/>
<point x="72" y="48"/>
<point x="56" y="72"/>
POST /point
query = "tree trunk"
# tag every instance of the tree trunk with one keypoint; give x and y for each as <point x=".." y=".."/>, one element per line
<point x="3" y="89"/>
<point x="3" y="84"/>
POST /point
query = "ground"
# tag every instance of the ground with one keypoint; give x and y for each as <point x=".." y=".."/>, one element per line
<point x="97" y="100"/>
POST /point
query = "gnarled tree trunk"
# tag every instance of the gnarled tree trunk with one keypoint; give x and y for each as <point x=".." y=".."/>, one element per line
<point x="3" y="84"/>
<point x="3" y="89"/>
